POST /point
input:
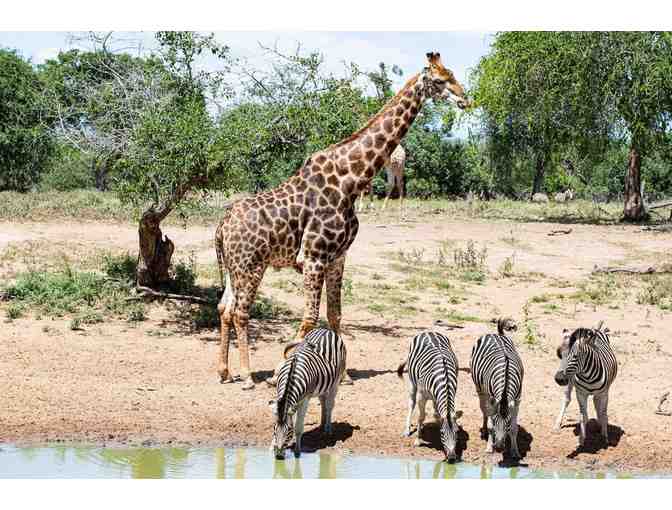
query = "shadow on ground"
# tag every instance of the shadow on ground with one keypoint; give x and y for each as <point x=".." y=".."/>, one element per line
<point x="315" y="439"/>
<point x="594" y="442"/>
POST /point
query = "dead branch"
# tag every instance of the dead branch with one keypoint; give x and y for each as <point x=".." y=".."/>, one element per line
<point x="146" y="292"/>
<point x="658" y="228"/>
<point x="560" y="232"/>
<point x="447" y="325"/>
<point x="663" y="399"/>
<point x="648" y="270"/>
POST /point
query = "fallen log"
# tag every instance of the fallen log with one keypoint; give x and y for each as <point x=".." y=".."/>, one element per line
<point x="146" y="292"/>
<point x="660" y="205"/>
<point x="628" y="270"/>
<point x="560" y="232"/>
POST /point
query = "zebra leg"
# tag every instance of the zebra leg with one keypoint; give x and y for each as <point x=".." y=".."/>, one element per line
<point x="327" y="402"/>
<point x="582" y="399"/>
<point x="489" y="447"/>
<point x="513" y="433"/>
<point x="437" y="416"/>
<point x="412" y="392"/>
<point x="563" y="407"/>
<point x="601" y="402"/>
<point x="482" y="401"/>
<point x="421" y="418"/>
<point x="298" y="425"/>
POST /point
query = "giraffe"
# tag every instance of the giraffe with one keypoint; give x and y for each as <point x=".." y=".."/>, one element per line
<point x="309" y="222"/>
<point x="395" y="179"/>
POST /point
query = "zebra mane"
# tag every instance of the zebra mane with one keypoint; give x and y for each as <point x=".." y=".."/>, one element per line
<point x="580" y="333"/>
<point x="449" y="419"/>
<point x="282" y="401"/>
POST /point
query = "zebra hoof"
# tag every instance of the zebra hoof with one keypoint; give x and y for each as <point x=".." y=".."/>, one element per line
<point x="406" y="433"/>
<point x="248" y="384"/>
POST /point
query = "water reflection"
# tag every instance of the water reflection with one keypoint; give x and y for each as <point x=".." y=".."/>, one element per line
<point x="239" y="463"/>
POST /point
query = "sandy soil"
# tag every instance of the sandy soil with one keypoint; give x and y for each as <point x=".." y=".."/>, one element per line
<point x="156" y="382"/>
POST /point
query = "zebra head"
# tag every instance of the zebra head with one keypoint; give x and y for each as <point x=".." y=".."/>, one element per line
<point x="449" y="435"/>
<point x="283" y="432"/>
<point x="572" y="352"/>
<point x="500" y="417"/>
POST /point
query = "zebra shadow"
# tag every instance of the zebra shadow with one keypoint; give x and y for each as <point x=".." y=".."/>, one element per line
<point x="594" y="442"/>
<point x="316" y="439"/>
<point x="431" y="438"/>
<point x="356" y="374"/>
<point x="524" y="446"/>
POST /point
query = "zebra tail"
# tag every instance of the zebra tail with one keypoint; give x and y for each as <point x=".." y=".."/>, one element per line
<point x="289" y="348"/>
<point x="400" y="370"/>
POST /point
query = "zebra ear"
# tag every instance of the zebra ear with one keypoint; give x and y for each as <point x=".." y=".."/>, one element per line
<point x="457" y="415"/>
<point x="273" y="404"/>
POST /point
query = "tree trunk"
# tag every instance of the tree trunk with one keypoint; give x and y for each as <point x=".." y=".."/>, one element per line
<point x="156" y="251"/>
<point x="634" y="205"/>
<point x="538" y="186"/>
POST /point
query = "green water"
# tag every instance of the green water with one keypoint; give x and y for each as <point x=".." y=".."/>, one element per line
<point x="98" y="462"/>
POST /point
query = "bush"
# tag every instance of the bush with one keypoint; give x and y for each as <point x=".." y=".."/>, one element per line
<point x="68" y="170"/>
<point x="120" y="267"/>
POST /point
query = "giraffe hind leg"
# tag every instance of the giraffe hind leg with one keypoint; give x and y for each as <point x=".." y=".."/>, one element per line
<point x="225" y="309"/>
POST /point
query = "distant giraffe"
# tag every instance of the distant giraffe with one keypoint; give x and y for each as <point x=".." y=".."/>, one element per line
<point x="395" y="179"/>
<point x="309" y="221"/>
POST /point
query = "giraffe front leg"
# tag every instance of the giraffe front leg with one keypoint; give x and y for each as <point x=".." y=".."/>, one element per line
<point x="313" y="281"/>
<point x="334" y="285"/>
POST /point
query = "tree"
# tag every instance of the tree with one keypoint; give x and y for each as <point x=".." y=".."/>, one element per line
<point x="551" y="90"/>
<point x="635" y="69"/>
<point x="146" y="118"/>
<point x="95" y="98"/>
<point x="529" y="94"/>
<point x="25" y="145"/>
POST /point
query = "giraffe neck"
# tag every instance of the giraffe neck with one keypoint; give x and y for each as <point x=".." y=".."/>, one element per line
<point x="367" y="151"/>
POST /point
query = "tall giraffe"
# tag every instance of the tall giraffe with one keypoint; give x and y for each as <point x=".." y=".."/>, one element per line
<point x="395" y="179"/>
<point x="309" y="221"/>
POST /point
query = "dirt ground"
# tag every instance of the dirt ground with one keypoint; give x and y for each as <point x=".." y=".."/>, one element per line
<point x="156" y="383"/>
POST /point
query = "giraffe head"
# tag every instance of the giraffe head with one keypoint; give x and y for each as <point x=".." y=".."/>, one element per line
<point x="441" y="82"/>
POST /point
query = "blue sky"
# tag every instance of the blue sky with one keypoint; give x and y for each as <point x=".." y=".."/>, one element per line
<point x="459" y="50"/>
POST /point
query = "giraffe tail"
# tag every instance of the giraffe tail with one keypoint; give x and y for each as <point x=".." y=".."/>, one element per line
<point x="220" y="253"/>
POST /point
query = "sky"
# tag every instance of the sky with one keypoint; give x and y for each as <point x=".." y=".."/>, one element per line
<point x="460" y="51"/>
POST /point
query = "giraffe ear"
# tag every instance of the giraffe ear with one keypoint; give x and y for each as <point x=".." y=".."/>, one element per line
<point x="430" y="55"/>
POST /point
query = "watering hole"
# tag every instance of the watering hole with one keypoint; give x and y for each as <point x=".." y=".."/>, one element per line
<point x="239" y="463"/>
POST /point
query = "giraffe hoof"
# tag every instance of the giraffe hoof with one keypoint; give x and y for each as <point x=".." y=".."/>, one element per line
<point x="248" y="384"/>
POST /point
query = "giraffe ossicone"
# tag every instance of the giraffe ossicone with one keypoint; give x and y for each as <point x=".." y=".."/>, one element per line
<point x="309" y="221"/>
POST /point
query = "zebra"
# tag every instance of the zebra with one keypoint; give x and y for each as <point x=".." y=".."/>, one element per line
<point x="432" y="372"/>
<point x="497" y="372"/>
<point x="588" y="363"/>
<point x="315" y="368"/>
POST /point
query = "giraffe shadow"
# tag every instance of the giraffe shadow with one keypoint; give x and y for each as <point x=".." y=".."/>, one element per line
<point x="316" y="439"/>
<point x="396" y="331"/>
<point x="594" y="441"/>
<point x="431" y="438"/>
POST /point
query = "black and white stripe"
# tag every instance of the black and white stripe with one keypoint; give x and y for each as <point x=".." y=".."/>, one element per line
<point x="314" y="369"/>
<point x="432" y="372"/>
<point x="497" y="372"/>
<point x="587" y="362"/>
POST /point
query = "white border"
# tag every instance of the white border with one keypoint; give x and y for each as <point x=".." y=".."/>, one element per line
<point x="430" y="15"/>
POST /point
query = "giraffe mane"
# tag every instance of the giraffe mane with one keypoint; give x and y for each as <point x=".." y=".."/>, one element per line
<point x="393" y="102"/>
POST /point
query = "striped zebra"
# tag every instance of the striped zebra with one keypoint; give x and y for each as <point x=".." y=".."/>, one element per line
<point x="497" y="372"/>
<point x="432" y="372"/>
<point x="588" y="363"/>
<point x="315" y="368"/>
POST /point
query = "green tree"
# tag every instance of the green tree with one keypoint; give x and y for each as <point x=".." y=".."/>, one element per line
<point x="25" y="144"/>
